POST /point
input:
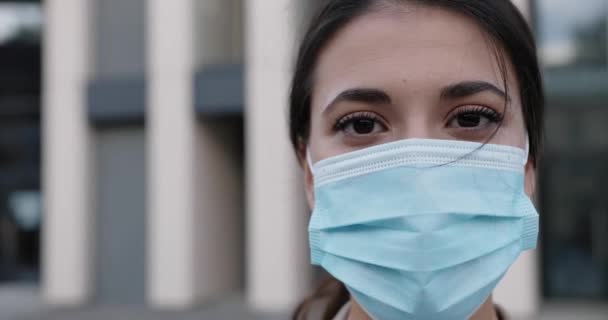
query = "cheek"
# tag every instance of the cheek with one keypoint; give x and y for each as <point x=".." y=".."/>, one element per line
<point x="512" y="131"/>
<point x="323" y="143"/>
<point x="316" y="140"/>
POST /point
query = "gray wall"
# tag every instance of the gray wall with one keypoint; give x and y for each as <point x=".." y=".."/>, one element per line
<point x="119" y="58"/>
<point x="121" y="216"/>
<point x="120" y="37"/>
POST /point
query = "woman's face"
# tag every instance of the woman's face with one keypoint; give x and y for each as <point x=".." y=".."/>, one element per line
<point x="411" y="72"/>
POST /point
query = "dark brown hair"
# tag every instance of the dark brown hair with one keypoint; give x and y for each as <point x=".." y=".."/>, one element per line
<point x="500" y="19"/>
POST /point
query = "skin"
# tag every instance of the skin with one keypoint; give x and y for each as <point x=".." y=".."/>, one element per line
<point x="411" y="53"/>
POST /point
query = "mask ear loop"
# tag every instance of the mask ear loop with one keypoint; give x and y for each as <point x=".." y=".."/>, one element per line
<point x="309" y="161"/>
<point x="527" y="150"/>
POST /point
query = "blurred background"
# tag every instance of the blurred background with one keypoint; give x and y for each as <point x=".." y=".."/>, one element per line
<point x="145" y="170"/>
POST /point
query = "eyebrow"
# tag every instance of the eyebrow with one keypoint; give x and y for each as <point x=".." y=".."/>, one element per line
<point x="469" y="88"/>
<point x="363" y="95"/>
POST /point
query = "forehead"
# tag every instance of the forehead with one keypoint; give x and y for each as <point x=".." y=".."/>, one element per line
<point x="422" y="46"/>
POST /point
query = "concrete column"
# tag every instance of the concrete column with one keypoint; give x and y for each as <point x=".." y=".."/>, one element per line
<point x="171" y="153"/>
<point x="278" y="271"/>
<point x="68" y="235"/>
<point x="519" y="292"/>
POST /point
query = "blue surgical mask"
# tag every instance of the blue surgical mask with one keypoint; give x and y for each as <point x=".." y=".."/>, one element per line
<point x="420" y="228"/>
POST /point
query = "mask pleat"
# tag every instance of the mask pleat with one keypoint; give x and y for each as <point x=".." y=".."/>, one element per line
<point x="425" y="293"/>
<point x="432" y="192"/>
<point x="421" y="251"/>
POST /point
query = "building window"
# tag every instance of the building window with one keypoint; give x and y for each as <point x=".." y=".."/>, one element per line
<point x="573" y="34"/>
<point x="572" y="39"/>
<point x="20" y="198"/>
<point x="20" y="23"/>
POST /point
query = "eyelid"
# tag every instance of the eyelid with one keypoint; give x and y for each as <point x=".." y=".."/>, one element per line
<point x="362" y="114"/>
<point x="469" y="108"/>
<point x="490" y="114"/>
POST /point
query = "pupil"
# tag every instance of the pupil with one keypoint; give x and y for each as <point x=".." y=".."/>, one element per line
<point x="363" y="126"/>
<point x="469" y="120"/>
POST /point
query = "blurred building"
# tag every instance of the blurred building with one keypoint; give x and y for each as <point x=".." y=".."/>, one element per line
<point x="20" y="53"/>
<point x="167" y="174"/>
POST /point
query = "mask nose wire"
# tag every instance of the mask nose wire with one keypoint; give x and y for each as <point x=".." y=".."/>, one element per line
<point x="525" y="160"/>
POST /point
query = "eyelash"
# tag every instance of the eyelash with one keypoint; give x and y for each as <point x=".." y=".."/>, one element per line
<point x="491" y="114"/>
<point x="343" y="122"/>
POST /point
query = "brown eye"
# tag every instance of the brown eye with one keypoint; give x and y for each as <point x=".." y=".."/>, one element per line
<point x="360" y="124"/>
<point x="474" y="117"/>
<point x="469" y="120"/>
<point x="363" y="126"/>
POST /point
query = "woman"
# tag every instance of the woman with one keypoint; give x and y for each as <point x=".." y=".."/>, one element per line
<point x="418" y="124"/>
